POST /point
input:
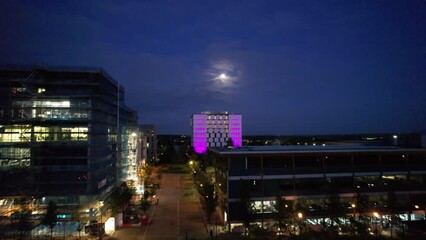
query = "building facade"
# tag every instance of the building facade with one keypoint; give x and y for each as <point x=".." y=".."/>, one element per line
<point x="309" y="175"/>
<point x="215" y="129"/>
<point x="150" y="131"/>
<point x="137" y="157"/>
<point x="63" y="134"/>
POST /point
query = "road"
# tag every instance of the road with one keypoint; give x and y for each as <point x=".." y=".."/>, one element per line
<point x="177" y="216"/>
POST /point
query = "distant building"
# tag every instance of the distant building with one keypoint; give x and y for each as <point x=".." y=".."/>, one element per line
<point x="150" y="131"/>
<point x="215" y="129"/>
<point x="309" y="175"/>
<point x="64" y="134"/>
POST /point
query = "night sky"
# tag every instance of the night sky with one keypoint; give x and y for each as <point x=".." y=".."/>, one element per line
<point x="290" y="67"/>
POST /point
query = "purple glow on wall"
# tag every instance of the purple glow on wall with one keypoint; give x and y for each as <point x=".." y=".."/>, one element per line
<point x="213" y="129"/>
<point x="235" y="130"/>
<point x="199" y="129"/>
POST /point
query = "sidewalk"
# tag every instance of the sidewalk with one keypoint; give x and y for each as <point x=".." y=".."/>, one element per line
<point x="193" y="223"/>
<point x="215" y="227"/>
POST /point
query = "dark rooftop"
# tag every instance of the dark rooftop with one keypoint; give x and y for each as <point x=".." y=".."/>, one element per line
<point x="311" y="148"/>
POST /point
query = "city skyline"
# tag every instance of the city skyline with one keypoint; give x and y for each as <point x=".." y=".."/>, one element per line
<point x="290" y="68"/>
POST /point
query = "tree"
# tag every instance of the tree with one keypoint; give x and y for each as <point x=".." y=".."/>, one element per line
<point x="299" y="209"/>
<point x="229" y="143"/>
<point x="245" y="206"/>
<point x="127" y="193"/>
<point x="114" y="203"/>
<point x="362" y="204"/>
<point x="334" y="210"/>
<point x="360" y="224"/>
<point x="145" y="204"/>
<point x="209" y="199"/>
<point x="147" y="171"/>
<point x="120" y="198"/>
<point x="50" y="218"/>
<point x="22" y="225"/>
<point x="81" y="221"/>
<point x="284" y="213"/>
<point x="392" y="205"/>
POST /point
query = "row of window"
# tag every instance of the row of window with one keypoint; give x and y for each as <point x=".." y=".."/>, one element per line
<point x="217" y="135"/>
<point x="334" y="161"/>
<point x="48" y="103"/>
<point x="23" y="133"/>
<point x="217" y="117"/>
<point x="12" y="152"/>
<point x="6" y="163"/>
<point x="211" y="140"/>
<point x="216" y="144"/>
<point x="307" y="206"/>
<point x="326" y="185"/>
<point x="49" y="113"/>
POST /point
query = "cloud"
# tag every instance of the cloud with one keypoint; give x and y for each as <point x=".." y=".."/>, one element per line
<point x="223" y="77"/>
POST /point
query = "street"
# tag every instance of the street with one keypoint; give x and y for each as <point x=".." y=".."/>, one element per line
<point x="178" y="214"/>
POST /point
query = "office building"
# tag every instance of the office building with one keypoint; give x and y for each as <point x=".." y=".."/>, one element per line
<point x="216" y="129"/>
<point x="309" y="175"/>
<point x="150" y="131"/>
<point x="64" y="134"/>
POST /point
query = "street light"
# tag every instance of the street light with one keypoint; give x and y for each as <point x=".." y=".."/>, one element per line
<point x="376" y="215"/>
<point x="353" y="208"/>
<point x="300" y="224"/>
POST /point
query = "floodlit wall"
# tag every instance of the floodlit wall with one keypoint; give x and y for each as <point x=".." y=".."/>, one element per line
<point x="199" y="130"/>
<point x="210" y="129"/>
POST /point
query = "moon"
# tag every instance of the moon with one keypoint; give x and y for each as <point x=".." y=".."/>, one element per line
<point x="223" y="77"/>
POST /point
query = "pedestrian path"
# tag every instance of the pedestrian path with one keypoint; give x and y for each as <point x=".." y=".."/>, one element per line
<point x="192" y="219"/>
<point x="178" y="214"/>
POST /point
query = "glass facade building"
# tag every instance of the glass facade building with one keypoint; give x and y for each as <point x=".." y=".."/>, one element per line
<point x="63" y="133"/>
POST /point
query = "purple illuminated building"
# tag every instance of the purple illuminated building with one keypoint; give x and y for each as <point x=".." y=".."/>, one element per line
<point x="215" y="129"/>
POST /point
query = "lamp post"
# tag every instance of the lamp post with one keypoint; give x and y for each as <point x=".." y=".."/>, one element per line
<point x="353" y="208"/>
<point x="300" y="217"/>
<point x="100" y="225"/>
<point x="376" y="216"/>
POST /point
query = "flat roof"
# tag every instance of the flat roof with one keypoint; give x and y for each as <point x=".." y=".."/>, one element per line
<point x="60" y="68"/>
<point x="311" y="149"/>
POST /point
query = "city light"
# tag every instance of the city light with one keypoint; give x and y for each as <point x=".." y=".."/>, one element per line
<point x="110" y="225"/>
<point x="376" y="214"/>
<point x="300" y="215"/>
